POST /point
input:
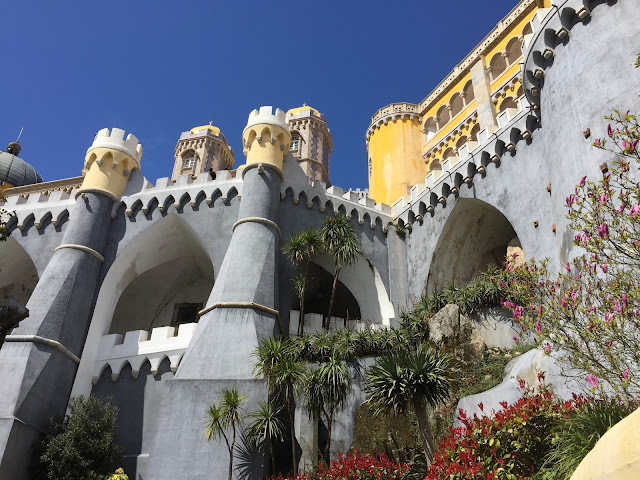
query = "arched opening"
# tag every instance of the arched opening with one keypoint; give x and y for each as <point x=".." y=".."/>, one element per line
<point x="189" y="160"/>
<point x="497" y="66"/>
<point x="172" y="289"/>
<point x="527" y="29"/>
<point x="473" y="134"/>
<point x="450" y="154"/>
<point x="514" y="50"/>
<point x="467" y="93"/>
<point x="318" y="295"/>
<point x="462" y="141"/>
<point x="457" y="104"/>
<point x="475" y="236"/>
<point x="443" y="116"/>
<point x="18" y="274"/>
<point x="430" y="128"/>
<point x="508" y="102"/>
<point x="435" y="167"/>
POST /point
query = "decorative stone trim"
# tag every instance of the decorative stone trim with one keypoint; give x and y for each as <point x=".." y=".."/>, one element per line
<point x="264" y="221"/>
<point x="82" y="248"/>
<point x="45" y="341"/>
<point x="255" y="306"/>
<point x="106" y="193"/>
<point x="264" y="165"/>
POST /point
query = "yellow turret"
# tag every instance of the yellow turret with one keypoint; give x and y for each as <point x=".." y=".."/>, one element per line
<point x="266" y="139"/>
<point x="395" y="152"/>
<point x="109" y="162"/>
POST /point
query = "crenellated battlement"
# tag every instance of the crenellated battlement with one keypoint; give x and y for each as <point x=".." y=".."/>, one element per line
<point x="114" y="139"/>
<point x="138" y="346"/>
<point x="266" y="115"/>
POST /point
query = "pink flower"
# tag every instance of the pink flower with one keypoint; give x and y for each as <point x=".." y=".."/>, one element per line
<point x="603" y="230"/>
<point x="609" y="130"/>
<point x="604" y="267"/>
<point x="608" y="317"/>
<point x="563" y="302"/>
<point x="547" y="347"/>
<point x="592" y="380"/>
<point x="625" y="374"/>
<point x="517" y="312"/>
<point x="604" y="198"/>
<point x="567" y="267"/>
<point x="538" y="326"/>
<point x="635" y="210"/>
<point x="582" y="180"/>
<point x="516" y="339"/>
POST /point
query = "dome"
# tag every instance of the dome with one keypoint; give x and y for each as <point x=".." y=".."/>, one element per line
<point x="15" y="171"/>
<point x="212" y="128"/>
<point x="303" y="108"/>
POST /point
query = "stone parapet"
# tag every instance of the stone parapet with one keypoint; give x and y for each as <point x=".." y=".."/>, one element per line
<point x="138" y="346"/>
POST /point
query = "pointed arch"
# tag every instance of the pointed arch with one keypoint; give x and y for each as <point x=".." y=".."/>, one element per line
<point x="18" y="274"/>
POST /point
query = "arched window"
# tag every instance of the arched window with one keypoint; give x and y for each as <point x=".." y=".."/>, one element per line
<point x="436" y="168"/>
<point x="514" y="51"/>
<point x="467" y="93"/>
<point x="497" y="66"/>
<point x="189" y="159"/>
<point x="473" y="135"/>
<point x="443" y="116"/>
<point x="430" y="129"/>
<point x="295" y="142"/>
<point x="457" y="104"/>
<point x="508" y="102"/>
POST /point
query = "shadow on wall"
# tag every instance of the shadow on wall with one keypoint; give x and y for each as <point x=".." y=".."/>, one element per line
<point x="18" y="275"/>
<point x="475" y="236"/>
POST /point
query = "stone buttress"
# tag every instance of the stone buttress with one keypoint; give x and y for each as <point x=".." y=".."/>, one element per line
<point x="39" y="359"/>
<point x="241" y="310"/>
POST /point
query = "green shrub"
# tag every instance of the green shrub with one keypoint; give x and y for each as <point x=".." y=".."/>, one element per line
<point x="83" y="445"/>
<point x="577" y="435"/>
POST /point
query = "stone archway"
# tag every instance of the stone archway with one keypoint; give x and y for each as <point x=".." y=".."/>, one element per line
<point x="18" y="274"/>
<point x="475" y="236"/>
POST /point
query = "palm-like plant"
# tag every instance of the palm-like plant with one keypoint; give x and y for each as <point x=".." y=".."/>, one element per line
<point x="299" y="248"/>
<point x="326" y="391"/>
<point x="284" y="373"/>
<point x="417" y="379"/>
<point x="340" y="240"/>
<point x="267" y="428"/>
<point x="221" y="416"/>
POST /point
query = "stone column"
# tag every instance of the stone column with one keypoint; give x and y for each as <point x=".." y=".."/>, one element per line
<point x="241" y="310"/>
<point x="38" y="361"/>
<point x="482" y="94"/>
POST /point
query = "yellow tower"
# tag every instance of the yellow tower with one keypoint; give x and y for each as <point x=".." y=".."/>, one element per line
<point x="266" y="139"/>
<point x="395" y="152"/>
<point x="109" y="162"/>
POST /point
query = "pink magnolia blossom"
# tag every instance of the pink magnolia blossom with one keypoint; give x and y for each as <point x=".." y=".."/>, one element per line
<point x="547" y="347"/>
<point x="517" y="312"/>
<point x="625" y="374"/>
<point x="592" y="380"/>
<point x="582" y="181"/>
<point x="538" y="326"/>
<point x="604" y="267"/>
<point x="604" y="198"/>
<point x="635" y="210"/>
<point x="603" y="230"/>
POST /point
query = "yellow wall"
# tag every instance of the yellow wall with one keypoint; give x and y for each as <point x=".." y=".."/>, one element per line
<point x="5" y="185"/>
<point x="396" y="159"/>
<point x="616" y="456"/>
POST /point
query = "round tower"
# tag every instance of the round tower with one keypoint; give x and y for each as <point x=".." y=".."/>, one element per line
<point x="202" y="149"/>
<point x="109" y="162"/>
<point x="395" y="152"/>
<point x="311" y="142"/>
<point x="266" y="139"/>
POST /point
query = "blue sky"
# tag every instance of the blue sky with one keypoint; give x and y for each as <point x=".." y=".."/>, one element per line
<point x="157" y="68"/>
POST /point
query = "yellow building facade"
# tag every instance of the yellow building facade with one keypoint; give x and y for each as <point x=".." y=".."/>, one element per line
<point x="406" y="142"/>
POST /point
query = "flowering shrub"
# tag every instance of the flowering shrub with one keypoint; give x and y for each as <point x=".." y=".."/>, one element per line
<point x="510" y="444"/>
<point x="590" y="310"/>
<point x="354" y="466"/>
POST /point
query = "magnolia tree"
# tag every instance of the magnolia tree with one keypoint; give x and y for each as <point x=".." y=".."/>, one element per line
<point x="590" y="311"/>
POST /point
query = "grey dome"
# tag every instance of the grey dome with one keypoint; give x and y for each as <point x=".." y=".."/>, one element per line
<point x="16" y="171"/>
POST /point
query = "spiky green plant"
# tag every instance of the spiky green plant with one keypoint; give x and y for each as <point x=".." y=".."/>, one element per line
<point x="266" y="428"/>
<point x="224" y="415"/>
<point x="300" y="248"/>
<point x="339" y="239"/>
<point x="326" y="389"/>
<point x="419" y="379"/>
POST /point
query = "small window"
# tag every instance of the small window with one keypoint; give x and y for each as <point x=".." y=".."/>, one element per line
<point x="185" y="313"/>
<point x="295" y="143"/>
<point x="189" y="161"/>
